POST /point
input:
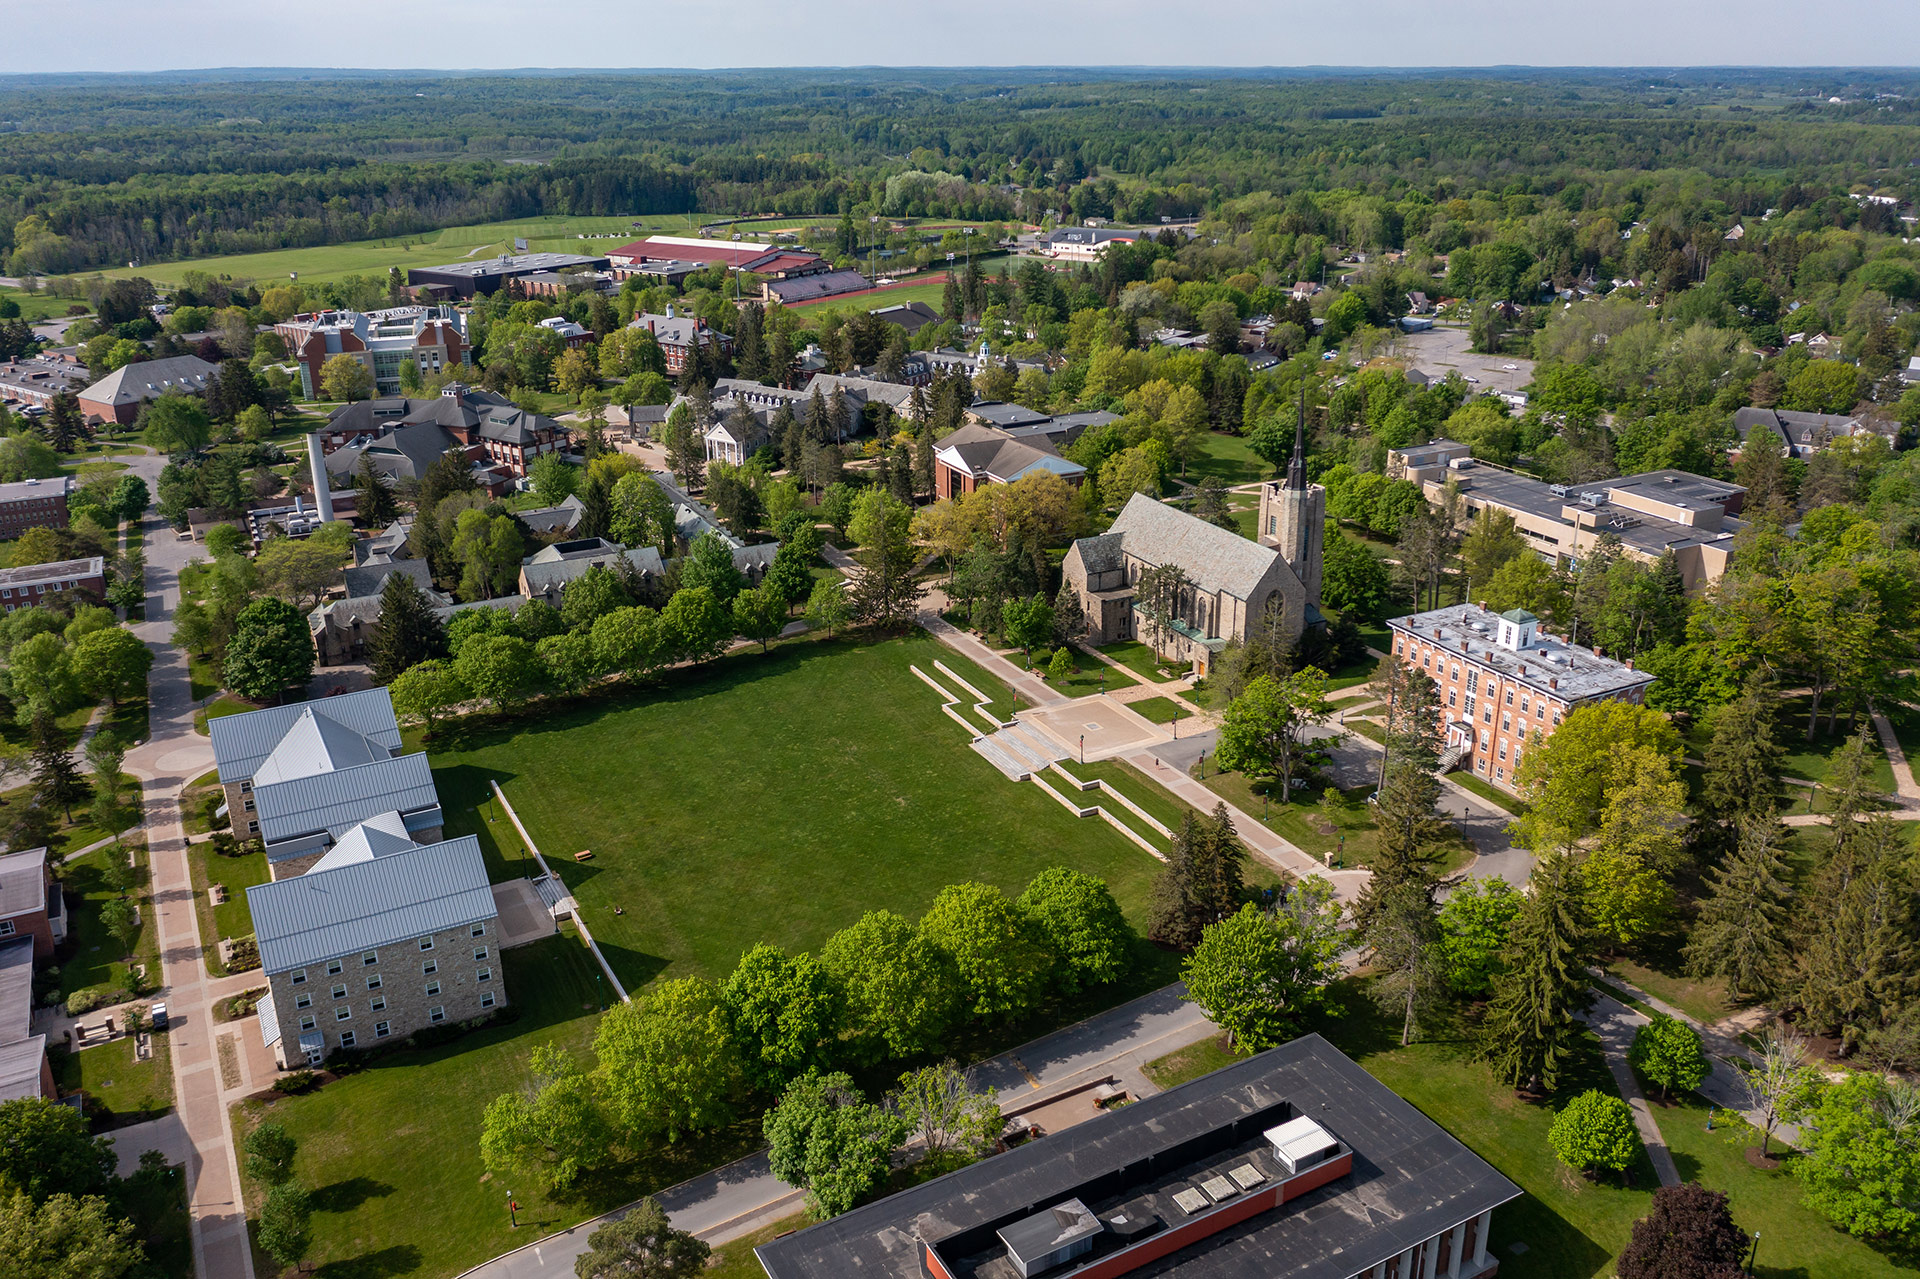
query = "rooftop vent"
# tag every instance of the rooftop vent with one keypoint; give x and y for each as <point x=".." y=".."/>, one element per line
<point x="1301" y="1143"/>
<point x="1050" y="1238"/>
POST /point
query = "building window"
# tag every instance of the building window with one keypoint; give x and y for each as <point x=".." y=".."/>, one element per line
<point x="1503" y="748"/>
<point x="479" y="953"/>
<point x="370" y="958"/>
<point x="1506" y="722"/>
<point x="346" y="1039"/>
<point x="6" y="928"/>
<point x="1454" y="673"/>
<point x="429" y="968"/>
<point x="483" y="974"/>
<point x="426" y="943"/>
<point x="306" y="1023"/>
<point x="299" y="979"/>
<point x="436" y="1014"/>
<point x="1524" y="705"/>
<point x="479" y="930"/>
<point x="486" y="999"/>
<point x="333" y="968"/>
<point x="378" y="1003"/>
<point x="303" y="1001"/>
<point x="433" y="987"/>
<point x="343" y="1013"/>
<point x="382" y="1029"/>
<point x="373" y="982"/>
<point x="340" y="991"/>
<point x="1486" y="712"/>
<point x="1451" y="695"/>
<point x="1521" y="732"/>
<point x="1500" y="774"/>
<point x="1509" y="695"/>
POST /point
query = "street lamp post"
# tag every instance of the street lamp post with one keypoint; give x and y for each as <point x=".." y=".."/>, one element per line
<point x="1755" y="1254"/>
<point x="513" y="1212"/>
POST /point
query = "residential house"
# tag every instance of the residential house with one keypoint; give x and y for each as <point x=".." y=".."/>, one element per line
<point x="1795" y="434"/>
<point x="30" y="902"/>
<point x="570" y="332"/>
<point x="117" y="397"/>
<point x="1084" y="243"/>
<point x="977" y="454"/>
<point x="1911" y="374"/>
<point x="1293" y="1162"/>
<point x="546" y="520"/>
<point x="26" y="504"/>
<point x="1506" y="684"/>
<point x="431" y="338"/>
<point x="381" y="938"/>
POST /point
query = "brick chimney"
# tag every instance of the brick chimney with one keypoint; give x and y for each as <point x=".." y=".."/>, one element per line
<point x="1553" y="681"/>
<point x="1523" y="670"/>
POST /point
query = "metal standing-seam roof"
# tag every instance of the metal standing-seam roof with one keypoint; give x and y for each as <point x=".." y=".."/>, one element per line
<point x="20" y="1052"/>
<point x="1215" y="559"/>
<point x="379" y="836"/>
<point x="242" y="742"/>
<point x="325" y="914"/>
<point x="316" y="744"/>
<point x="337" y="800"/>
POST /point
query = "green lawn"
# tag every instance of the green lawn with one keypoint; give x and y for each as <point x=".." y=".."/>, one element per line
<point x="1488" y="791"/>
<point x="392" y="1153"/>
<point x="1136" y="786"/>
<point x="1662" y="976"/>
<point x="69" y="835"/>
<point x="1141" y="660"/>
<point x="98" y="960"/>
<point x="40" y="306"/>
<point x="773" y="779"/>
<point x="1229" y="459"/>
<point x="119" y="1090"/>
<point x="735" y="1260"/>
<point x="933" y="293"/>
<point x="225" y="704"/>
<point x="230" y="918"/>
<point x="1322" y="822"/>
<point x="1159" y="710"/>
<point x="1189" y="1063"/>
<point x="1810" y="759"/>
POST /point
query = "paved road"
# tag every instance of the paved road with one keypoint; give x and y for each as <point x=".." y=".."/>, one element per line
<point x="744" y="1196"/>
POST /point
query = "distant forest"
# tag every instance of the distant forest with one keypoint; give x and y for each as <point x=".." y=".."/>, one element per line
<point x="95" y="171"/>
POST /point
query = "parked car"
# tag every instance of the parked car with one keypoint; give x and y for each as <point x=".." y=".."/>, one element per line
<point x="1511" y="368"/>
<point x="158" y="1015"/>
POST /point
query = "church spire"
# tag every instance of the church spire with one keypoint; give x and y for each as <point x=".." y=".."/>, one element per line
<point x="1297" y="468"/>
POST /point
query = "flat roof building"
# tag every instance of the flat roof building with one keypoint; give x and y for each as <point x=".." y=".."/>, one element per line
<point x="490" y="275"/>
<point x="1505" y="684"/>
<point x="1294" y="1162"/>
<point x="1691" y="515"/>
<point x="26" y="504"/>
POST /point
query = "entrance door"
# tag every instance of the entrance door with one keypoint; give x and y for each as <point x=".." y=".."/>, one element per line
<point x="313" y="1056"/>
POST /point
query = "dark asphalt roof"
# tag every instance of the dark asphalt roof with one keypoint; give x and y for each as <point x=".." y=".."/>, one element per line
<point x="1410" y="1180"/>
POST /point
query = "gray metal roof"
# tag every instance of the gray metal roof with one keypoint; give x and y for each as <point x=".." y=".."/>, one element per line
<point x="546" y="569"/>
<point x="371" y="579"/>
<point x="20" y="1068"/>
<point x="23" y="882"/>
<point x="335" y="800"/>
<point x="314" y="744"/>
<point x="242" y="742"/>
<point x="1215" y="559"/>
<point x="382" y="835"/>
<point x="1549" y="664"/>
<point x="20" y="1052"/>
<point x="323" y="915"/>
<point x="150" y="379"/>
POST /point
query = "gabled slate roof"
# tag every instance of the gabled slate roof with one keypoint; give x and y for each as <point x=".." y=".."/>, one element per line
<point x="325" y="914"/>
<point x="370" y="579"/>
<point x="242" y="742"/>
<point x="334" y="801"/>
<point x="1215" y="559"/>
<point x="989" y="451"/>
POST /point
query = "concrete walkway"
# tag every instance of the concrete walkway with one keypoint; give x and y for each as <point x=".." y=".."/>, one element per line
<point x="1615" y="1024"/>
<point x="744" y="1196"/>
<point x="173" y="756"/>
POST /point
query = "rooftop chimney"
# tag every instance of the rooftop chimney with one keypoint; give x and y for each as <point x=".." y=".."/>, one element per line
<point x="1553" y="682"/>
<point x="1523" y="670"/>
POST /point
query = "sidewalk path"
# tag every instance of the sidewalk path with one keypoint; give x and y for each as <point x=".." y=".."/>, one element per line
<point x="1903" y="782"/>
<point x="744" y="1196"/>
<point x="1615" y="1024"/>
<point x="173" y="756"/>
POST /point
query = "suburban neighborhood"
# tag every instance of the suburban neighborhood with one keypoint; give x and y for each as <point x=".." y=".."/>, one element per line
<point x="1071" y="684"/>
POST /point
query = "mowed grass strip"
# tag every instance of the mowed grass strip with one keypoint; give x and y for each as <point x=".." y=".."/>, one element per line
<point x="392" y="1152"/>
<point x="771" y="798"/>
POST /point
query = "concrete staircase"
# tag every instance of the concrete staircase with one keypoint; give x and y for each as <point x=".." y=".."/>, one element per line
<point x="1019" y="751"/>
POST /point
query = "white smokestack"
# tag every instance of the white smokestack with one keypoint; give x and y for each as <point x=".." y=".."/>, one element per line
<point x="322" y="486"/>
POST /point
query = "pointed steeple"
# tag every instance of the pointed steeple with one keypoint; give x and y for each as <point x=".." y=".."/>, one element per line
<point x="1297" y="468"/>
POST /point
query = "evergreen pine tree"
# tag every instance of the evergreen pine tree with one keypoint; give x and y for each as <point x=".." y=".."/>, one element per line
<point x="1742" y="776"/>
<point x="1069" y="616"/>
<point x="1176" y="911"/>
<point x="410" y="631"/>
<point x="1741" y="935"/>
<point x="923" y="462"/>
<point x="57" y="782"/>
<point x="1859" y="965"/>
<point x="596" y="516"/>
<point x="900" y="481"/>
<point x="377" y="507"/>
<point x="1531" y="1028"/>
<point x="1407" y="813"/>
<point x="1402" y="935"/>
<point x="1223" y="866"/>
<point x="819" y="420"/>
<point x="1851" y="788"/>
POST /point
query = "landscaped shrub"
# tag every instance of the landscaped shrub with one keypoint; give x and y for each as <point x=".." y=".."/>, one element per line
<point x="1593" y="1132"/>
<point x="1667" y="1053"/>
<point x="297" y="1081"/>
<point x="81" y="1002"/>
<point x="243" y="953"/>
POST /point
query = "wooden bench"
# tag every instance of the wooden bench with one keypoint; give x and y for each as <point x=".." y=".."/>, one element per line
<point x="584" y="855"/>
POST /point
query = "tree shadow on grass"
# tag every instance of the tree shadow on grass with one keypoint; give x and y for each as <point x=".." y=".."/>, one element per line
<point x="401" y="1259"/>
<point x="635" y="967"/>
<point x="348" y="1194"/>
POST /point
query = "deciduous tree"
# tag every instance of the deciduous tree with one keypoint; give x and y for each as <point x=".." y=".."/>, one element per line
<point x="1689" y="1234"/>
<point x="785" y="1014"/>
<point x="668" y="1065"/>
<point x="270" y="652"/>
<point x="1265" y="731"/>
<point x="1476" y="925"/>
<point x="1667" y="1053"/>
<point x="901" y="991"/>
<point x="556" y="1129"/>
<point x="1595" y="1131"/>
<point x="642" y="1244"/>
<point x="954" y="1123"/>
<point x="1002" y="964"/>
<point x="1081" y="923"/>
<point x="827" y="1139"/>
<point x="1256" y="974"/>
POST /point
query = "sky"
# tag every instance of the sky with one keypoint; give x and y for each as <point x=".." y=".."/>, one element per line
<point x="155" y="35"/>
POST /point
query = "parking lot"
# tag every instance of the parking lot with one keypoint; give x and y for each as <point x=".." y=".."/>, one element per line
<point x="1437" y="350"/>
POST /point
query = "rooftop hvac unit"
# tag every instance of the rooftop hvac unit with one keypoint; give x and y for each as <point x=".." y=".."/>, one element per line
<point x="1558" y="490"/>
<point x="1300" y="1144"/>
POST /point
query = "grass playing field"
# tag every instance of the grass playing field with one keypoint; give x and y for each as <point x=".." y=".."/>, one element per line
<point x="769" y="798"/>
